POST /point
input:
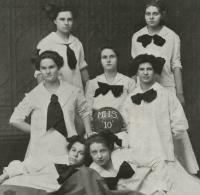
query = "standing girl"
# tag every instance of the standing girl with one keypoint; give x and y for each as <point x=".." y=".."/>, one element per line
<point x="68" y="46"/>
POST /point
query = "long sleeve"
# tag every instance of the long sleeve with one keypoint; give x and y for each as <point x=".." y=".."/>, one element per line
<point x="89" y="94"/>
<point x="82" y="62"/>
<point x="23" y="109"/>
<point x="81" y="105"/>
<point x="176" y="56"/>
<point x="178" y="119"/>
<point x="133" y="48"/>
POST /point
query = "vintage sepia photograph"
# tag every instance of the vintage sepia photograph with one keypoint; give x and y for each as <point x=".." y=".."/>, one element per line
<point x="99" y="97"/>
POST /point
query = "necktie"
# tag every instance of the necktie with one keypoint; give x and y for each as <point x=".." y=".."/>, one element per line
<point x="104" y="88"/>
<point x="146" y="40"/>
<point x="71" y="58"/>
<point x="55" y="117"/>
<point x="64" y="171"/>
<point x="148" y="96"/>
<point x="125" y="172"/>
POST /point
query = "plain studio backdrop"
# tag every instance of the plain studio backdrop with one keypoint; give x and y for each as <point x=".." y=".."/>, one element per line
<point x="97" y="22"/>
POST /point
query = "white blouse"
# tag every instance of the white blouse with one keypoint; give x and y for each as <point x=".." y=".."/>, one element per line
<point x="108" y="99"/>
<point x="151" y="125"/>
<point x="36" y="103"/>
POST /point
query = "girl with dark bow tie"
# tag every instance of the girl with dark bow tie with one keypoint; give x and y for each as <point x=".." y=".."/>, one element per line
<point x="52" y="106"/>
<point x="154" y="116"/>
<point x="67" y="45"/>
<point x="157" y="39"/>
<point x="43" y="173"/>
<point x="110" y="88"/>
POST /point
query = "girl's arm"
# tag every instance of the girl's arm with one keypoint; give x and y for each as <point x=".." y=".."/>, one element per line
<point x="83" y="110"/>
<point x="84" y="76"/>
<point x="179" y="85"/>
<point x="20" y="113"/>
<point x="176" y="68"/>
<point x="23" y="126"/>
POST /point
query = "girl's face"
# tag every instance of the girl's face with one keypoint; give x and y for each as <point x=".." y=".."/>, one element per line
<point x="100" y="154"/>
<point x="64" y="22"/>
<point x="146" y="73"/>
<point x="49" y="70"/>
<point x="77" y="154"/>
<point x="153" y="16"/>
<point x="109" y="59"/>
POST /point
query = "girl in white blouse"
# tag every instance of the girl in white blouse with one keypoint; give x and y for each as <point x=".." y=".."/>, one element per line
<point x="157" y="39"/>
<point x="110" y="88"/>
<point x="52" y="105"/>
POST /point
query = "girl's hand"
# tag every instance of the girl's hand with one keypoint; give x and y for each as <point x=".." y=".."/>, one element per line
<point x="89" y="134"/>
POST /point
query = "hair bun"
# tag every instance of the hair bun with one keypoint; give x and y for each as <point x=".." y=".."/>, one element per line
<point x="51" y="10"/>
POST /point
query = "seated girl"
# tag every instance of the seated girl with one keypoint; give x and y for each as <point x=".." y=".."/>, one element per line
<point x="100" y="147"/>
<point x="154" y="115"/>
<point x="110" y="88"/>
<point x="88" y="182"/>
<point x="42" y="173"/>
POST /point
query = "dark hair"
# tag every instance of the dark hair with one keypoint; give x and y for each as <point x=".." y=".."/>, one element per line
<point x="159" y="4"/>
<point x="74" y="139"/>
<point x="52" y="10"/>
<point x="47" y="54"/>
<point x="109" y="47"/>
<point x="105" y="137"/>
<point x="157" y="63"/>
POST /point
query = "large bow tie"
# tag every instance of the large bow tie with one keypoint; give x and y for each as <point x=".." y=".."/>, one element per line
<point x="64" y="171"/>
<point x="55" y="117"/>
<point x="104" y="88"/>
<point x="146" y="40"/>
<point x="125" y="172"/>
<point x="71" y="58"/>
<point x="148" y="96"/>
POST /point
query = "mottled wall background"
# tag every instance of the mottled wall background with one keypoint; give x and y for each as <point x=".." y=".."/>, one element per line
<point x="98" y="22"/>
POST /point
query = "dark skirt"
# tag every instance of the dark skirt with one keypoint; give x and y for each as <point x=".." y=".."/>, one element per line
<point x="88" y="182"/>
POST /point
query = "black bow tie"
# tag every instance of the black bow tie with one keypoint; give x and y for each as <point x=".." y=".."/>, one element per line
<point x="125" y="172"/>
<point x="104" y="88"/>
<point x="55" y="117"/>
<point x="71" y="58"/>
<point x="64" y="171"/>
<point x="148" y="96"/>
<point x="146" y="40"/>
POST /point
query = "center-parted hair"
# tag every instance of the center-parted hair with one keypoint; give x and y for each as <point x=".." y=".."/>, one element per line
<point x="52" y="10"/>
<point x="105" y="137"/>
<point x="48" y="55"/>
<point x="109" y="47"/>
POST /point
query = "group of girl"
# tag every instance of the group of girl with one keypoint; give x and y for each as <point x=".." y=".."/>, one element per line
<point x="150" y="156"/>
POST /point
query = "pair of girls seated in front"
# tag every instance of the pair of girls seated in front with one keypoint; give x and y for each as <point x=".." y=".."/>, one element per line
<point x="42" y="173"/>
